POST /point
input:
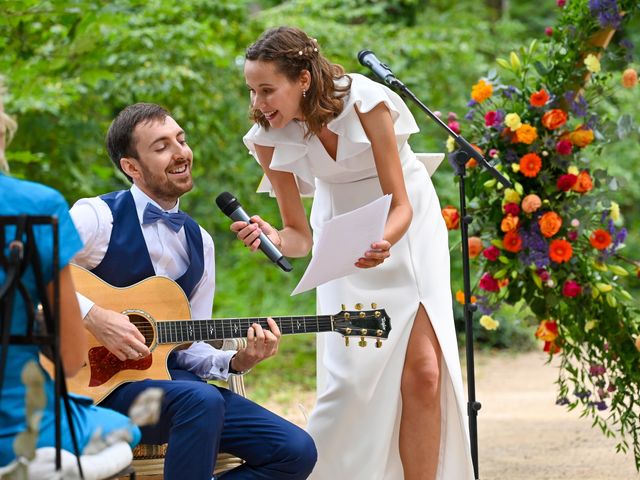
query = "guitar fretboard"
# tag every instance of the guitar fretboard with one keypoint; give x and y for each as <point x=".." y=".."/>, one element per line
<point x="179" y="331"/>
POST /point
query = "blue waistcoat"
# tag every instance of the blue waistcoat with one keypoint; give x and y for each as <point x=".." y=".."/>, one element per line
<point x="127" y="260"/>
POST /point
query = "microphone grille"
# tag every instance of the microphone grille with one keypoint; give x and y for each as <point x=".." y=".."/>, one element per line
<point x="227" y="202"/>
<point x="362" y="54"/>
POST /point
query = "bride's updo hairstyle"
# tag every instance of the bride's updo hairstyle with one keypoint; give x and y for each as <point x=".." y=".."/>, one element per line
<point x="294" y="51"/>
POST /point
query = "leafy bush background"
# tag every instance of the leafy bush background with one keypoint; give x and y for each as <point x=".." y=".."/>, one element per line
<point x="71" y="65"/>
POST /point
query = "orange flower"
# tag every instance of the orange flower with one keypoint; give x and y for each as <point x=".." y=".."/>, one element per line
<point x="460" y="297"/>
<point x="584" y="183"/>
<point x="560" y="251"/>
<point x="475" y="246"/>
<point x="525" y="134"/>
<point x="629" y="78"/>
<point x="451" y="217"/>
<point x="509" y="223"/>
<point x="550" y="223"/>
<point x="530" y="165"/>
<point x="581" y="137"/>
<point x="503" y="282"/>
<point x="481" y="91"/>
<point x="512" y="242"/>
<point x="539" y="98"/>
<point x="600" y="239"/>
<point x="554" y="118"/>
<point x="531" y="203"/>
<point x="547" y="330"/>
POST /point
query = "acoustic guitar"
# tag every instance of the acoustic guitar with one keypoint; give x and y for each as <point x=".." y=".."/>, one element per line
<point x="160" y="310"/>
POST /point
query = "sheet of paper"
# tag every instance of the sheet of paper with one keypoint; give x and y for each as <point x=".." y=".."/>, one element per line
<point x="342" y="241"/>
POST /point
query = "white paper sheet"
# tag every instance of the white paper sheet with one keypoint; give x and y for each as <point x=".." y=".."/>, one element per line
<point x="343" y="240"/>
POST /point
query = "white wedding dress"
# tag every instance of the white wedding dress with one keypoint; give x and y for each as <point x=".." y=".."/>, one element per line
<point x="356" y="420"/>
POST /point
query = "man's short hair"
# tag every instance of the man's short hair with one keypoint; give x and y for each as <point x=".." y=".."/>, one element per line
<point x="120" y="141"/>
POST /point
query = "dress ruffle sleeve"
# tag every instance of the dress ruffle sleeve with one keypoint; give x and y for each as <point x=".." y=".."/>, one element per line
<point x="366" y="95"/>
<point x="289" y="154"/>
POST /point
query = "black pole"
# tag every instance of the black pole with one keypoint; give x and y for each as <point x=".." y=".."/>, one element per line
<point x="458" y="159"/>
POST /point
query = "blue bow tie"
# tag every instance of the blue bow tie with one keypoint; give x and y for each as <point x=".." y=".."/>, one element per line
<point x="174" y="221"/>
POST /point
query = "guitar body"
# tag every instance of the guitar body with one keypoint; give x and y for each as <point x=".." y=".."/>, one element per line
<point x="156" y="298"/>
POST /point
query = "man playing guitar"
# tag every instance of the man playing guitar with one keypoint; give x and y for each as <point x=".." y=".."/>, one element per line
<point x="131" y="235"/>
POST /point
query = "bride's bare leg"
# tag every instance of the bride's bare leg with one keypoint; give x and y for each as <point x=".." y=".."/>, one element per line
<point x="420" y="424"/>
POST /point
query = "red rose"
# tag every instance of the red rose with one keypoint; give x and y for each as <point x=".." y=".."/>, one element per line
<point x="512" y="209"/>
<point x="491" y="253"/>
<point x="490" y="118"/>
<point x="488" y="283"/>
<point x="571" y="288"/>
<point x="564" y="147"/>
<point x="567" y="181"/>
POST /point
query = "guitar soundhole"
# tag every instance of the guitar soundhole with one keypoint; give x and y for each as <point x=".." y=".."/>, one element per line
<point x="145" y="327"/>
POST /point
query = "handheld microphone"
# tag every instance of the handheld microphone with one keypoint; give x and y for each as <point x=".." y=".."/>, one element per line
<point x="382" y="71"/>
<point x="232" y="209"/>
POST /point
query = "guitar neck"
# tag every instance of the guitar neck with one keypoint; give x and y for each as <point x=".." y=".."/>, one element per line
<point x="181" y="331"/>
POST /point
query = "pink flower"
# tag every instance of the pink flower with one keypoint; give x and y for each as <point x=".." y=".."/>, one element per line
<point x="493" y="153"/>
<point x="490" y="118"/>
<point x="571" y="288"/>
<point x="455" y="126"/>
<point x="488" y="283"/>
<point x="491" y="253"/>
<point x="572" y="235"/>
<point x="452" y="116"/>
<point x="565" y="182"/>
<point x="564" y="147"/>
<point x="543" y="274"/>
<point x="561" y="3"/>
<point x="512" y="209"/>
<point x="548" y="31"/>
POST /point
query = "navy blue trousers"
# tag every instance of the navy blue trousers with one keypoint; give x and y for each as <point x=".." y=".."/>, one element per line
<point x="198" y="420"/>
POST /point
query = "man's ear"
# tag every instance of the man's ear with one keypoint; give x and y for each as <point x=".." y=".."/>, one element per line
<point x="130" y="166"/>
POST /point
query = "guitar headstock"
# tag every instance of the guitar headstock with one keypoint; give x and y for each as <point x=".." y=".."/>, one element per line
<point x="374" y="323"/>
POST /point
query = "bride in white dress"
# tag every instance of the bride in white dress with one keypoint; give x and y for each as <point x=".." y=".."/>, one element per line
<point x="381" y="414"/>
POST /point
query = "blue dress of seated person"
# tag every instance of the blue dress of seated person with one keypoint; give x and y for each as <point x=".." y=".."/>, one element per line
<point x="20" y="197"/>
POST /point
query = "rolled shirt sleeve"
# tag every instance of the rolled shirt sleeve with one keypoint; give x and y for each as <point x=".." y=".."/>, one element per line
<point x="205" y="361"/>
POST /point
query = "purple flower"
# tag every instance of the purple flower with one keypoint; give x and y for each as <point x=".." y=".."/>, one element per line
<point x="601" y="405"/>
<point x="509" y="91"/>
<point x="562" y="401"/>
<point x="470" y="114"/>
<point x="471" y="103"/>
<point x="577" y="103"/>
<point x="606" y="11"/>
<point x="597" y="370"/>
<point x="535" y="249"/>
<point x="582" y="394"/>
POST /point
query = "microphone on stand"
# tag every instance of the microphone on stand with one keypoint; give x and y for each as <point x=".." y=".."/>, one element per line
<point x="232" y="209"/>
<point x="381" y="70"/>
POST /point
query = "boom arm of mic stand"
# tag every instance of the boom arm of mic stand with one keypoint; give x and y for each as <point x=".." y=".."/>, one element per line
<point x="463" y="144"/>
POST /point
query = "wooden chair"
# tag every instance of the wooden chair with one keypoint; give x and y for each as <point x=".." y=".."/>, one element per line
<point x="148" y="460"/>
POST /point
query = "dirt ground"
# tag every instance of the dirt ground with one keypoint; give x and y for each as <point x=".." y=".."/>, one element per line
<point x="522" y="434"/>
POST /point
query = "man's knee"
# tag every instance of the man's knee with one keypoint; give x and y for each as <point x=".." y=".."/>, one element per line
<point x="300" y="454"/>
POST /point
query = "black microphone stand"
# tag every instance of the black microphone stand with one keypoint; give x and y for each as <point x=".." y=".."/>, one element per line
<point x="458" y="160"/>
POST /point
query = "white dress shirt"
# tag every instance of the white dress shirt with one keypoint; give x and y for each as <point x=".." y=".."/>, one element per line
<point x="168" y="251"/>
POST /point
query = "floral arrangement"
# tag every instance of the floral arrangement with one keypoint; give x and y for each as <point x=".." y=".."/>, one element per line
<point x="552" y="244"/>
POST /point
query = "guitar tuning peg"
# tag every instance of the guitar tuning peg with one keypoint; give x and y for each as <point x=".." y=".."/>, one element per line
<point x="362" y="314"/>
<point x="362" y="342"/>
<point x="374" y="305"/>
<point x="344" y="307"/>
<point x="358" y="306"/>
<point x="346" y="341"/>
<point x="378" y="343"/>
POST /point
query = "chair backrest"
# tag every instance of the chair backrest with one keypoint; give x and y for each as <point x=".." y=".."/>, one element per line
<point x="17" y="257"/>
